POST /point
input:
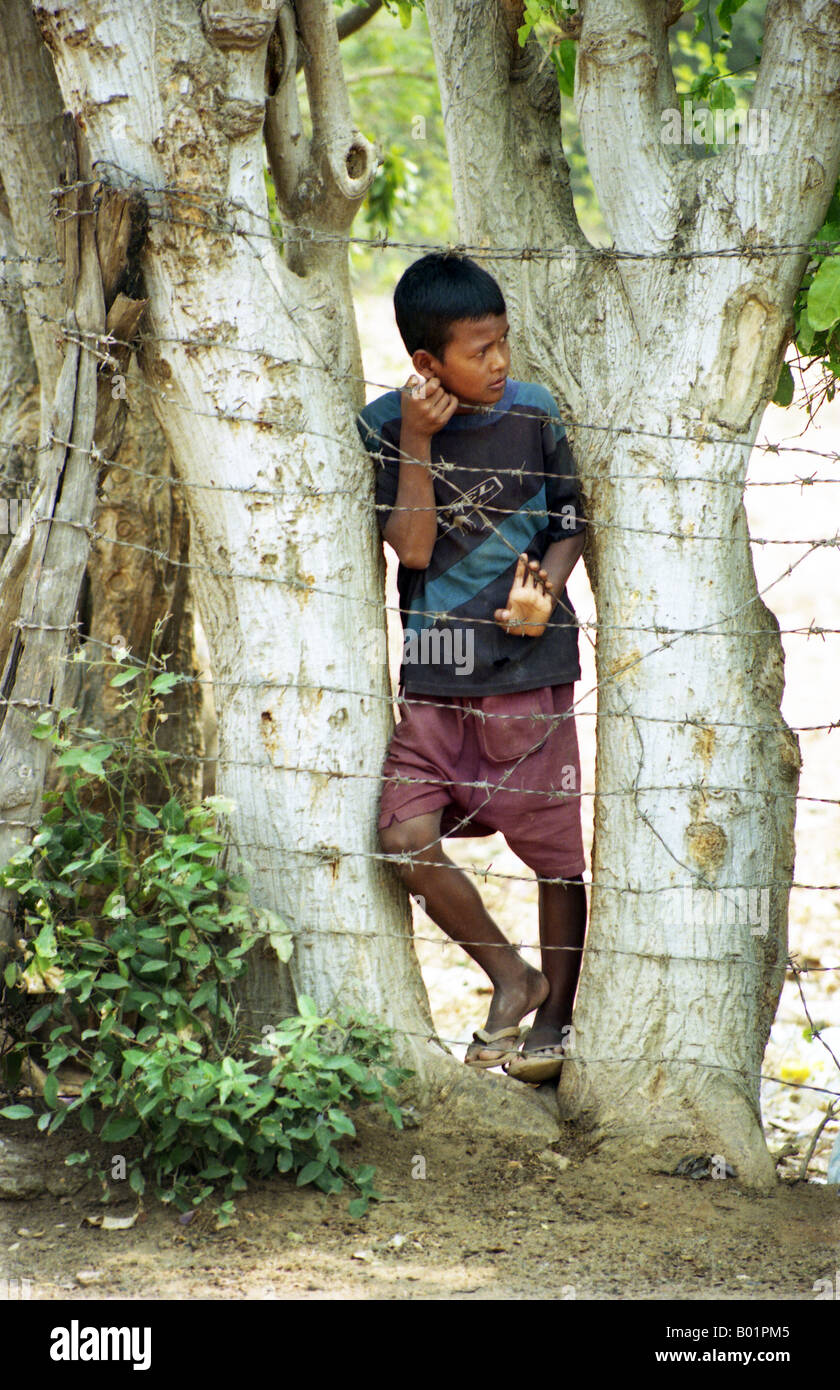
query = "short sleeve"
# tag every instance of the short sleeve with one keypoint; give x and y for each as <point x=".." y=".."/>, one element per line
<point x="382" y="443"/>
<point x="565" y="508"/>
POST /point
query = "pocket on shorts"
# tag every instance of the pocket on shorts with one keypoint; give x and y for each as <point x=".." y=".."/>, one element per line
<point x="517" y="723"/>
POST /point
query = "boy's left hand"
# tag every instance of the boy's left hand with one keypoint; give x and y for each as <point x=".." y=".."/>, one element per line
<point x="529" y="603"/>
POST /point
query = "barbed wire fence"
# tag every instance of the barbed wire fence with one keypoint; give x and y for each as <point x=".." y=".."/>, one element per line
<point x="100" y="346"/>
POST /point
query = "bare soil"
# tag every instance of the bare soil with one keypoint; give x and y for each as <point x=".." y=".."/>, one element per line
<point x="491" y="1219"/>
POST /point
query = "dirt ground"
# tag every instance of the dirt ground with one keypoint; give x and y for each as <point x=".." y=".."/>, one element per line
<point x="492" y="1218"/>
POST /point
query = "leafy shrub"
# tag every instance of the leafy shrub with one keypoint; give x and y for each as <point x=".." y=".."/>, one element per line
<point x="138" y="937"/>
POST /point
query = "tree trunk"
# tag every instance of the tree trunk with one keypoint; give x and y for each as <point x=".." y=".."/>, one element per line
<point x="19" y="394"/>
<point x="138" y="571"/>
<point x="127" y="588"/>
<point x="45" y="565"/>
<point x="697" y="771"/>
<point x="239" y="364"/>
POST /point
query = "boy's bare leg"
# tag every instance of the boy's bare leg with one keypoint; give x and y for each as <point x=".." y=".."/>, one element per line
<point x="562" y="923"/>
<point x="453" y="902"/>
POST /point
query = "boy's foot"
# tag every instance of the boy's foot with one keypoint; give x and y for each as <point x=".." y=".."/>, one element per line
<point x="541" y="1056"/>
<point x="510" y="1005"/>
<point x="492" y="1049"/>
<point x="541" y="1064"/>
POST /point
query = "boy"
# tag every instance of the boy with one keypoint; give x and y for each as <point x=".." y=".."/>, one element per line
<point x="476" y="494"/>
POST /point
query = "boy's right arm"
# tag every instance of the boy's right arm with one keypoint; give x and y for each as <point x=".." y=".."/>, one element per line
<point x="412" y="526"/>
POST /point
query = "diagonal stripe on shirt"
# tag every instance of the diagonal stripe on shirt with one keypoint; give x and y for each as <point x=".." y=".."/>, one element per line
<point x="469" y="575"/>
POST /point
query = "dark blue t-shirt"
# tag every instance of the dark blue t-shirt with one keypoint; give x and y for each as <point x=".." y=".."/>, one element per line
<point x="505" y="483"/>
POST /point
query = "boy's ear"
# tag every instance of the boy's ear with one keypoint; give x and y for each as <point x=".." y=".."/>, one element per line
<point x="423" y="362"/>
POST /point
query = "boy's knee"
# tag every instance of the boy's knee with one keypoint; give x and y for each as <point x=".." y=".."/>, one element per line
<point x="405" y="837"/>
<point x="397" y="838"/>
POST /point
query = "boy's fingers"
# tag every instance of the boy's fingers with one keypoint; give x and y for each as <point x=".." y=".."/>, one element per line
<point x="422" y="388"/>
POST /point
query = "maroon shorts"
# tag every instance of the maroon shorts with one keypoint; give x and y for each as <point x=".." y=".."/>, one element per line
<point x="517" y="771"/>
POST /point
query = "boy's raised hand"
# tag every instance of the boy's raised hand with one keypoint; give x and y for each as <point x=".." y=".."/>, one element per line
<point x="426" y="407"/>
<point x="529" y="603"/>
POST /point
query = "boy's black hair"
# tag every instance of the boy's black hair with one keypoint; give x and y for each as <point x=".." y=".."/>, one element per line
<point x="437" y="290"/>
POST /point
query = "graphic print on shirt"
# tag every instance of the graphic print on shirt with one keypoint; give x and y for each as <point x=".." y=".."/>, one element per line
<point x="464" y="513"/>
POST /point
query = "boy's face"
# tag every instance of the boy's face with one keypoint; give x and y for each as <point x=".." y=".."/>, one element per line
<point x="475" y="362"/>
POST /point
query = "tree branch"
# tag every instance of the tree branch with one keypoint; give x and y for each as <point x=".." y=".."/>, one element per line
<point x="786" y="168"/>
<point x="349" y="23"/>
<point x="515" y="124"/>
<point x="287" y="146"/>
<point x="352" y="20"/>
<point x="624" y="81"/>
<point x="319" y="182"/>
<point x="347" y="160"/>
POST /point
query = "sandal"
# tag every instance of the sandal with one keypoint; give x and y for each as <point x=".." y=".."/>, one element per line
<point x="501" y="1055"/>
<point x="541" y="1064"/>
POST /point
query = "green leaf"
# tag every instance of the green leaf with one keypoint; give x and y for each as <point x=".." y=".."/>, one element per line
<point x="119" y="1127"/>
<point x="146" y="818"/>
<point x="824" y="295"/>
<point x="172" y="814"/>
<point x="563" y="57"/>
<point x="341" y="1123"/>
<point x="394" y="1111"/>
<point x="805" y="334"/>
<point x="283" y="946"/>
<point x="166" y="681"/>
<point x="726" y="10"/>
<point x="38" y="1017"/>
<point x="358" y="1206"/>
<point x="216" y="1169"/>
<point x="309" y="1173"/>
<point x="226" y="1129"/>
<point x="51" y="1090"/>
<point x="133" y="1058"/>
<point x="123" y="677"/>
<point x="137" y="1182"/>
<point x="17" y="1112"/>
<point x="784" y="386"/>
<point x="111" y="981"/>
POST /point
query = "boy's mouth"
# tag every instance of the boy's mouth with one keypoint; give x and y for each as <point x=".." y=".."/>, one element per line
<point x="498" y="385"/>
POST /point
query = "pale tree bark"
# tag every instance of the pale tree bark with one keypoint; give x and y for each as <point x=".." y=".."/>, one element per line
<point x="696" y="770"/>
<point x="127" y="589"/>
<point x="44" y="567"/>
<point x="253" y="367"/>
<point x="30" y="163"/>
<point x="19" y="389"/>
